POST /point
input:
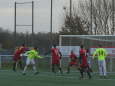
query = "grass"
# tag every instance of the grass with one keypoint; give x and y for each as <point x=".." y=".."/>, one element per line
<point x="10" y="78"/>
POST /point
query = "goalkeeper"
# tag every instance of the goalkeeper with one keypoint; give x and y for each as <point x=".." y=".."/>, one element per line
<point x="101" y="55"/>
<point x="31" y="55"/>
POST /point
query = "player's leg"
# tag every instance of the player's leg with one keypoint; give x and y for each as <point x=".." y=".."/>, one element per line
<point x="81" y="73"/>
<point x="90" y="69"/>
<point x="53" y="62"/>
<point x="100" y="68"/>
<point x="77" y="66"/>
<point x="68" y="68"/>
<point x="25" y="68"/>
<point x="15" y="60"/>
<point x="81" y="69"/>
<point x="34" y="66"/>
<point x="14" y="66"/>
<point x="90" y="65"/>
<point x="53" y="68"/>
<point x="104" y="69"/>
<point x="72" y="63"/>
<point x="59" y="67"/>
<point x="20" y="63"/>
<point x="88" y="72"/>
<point x="28" y="61"/>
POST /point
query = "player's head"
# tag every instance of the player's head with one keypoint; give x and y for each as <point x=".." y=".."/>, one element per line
<point x="23" y="44"/>
<point x="17" y="48"/>
<point x="81" y="46"/>
<point x="35" y="48"/>
<point x="54" y="45"/>
<point x="72" y="51"/>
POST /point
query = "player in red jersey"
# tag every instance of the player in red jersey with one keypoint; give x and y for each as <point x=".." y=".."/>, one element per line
<point x="17" y="58"/>
<point x="84" y="67"/>
<point x="56" y="57"/>
<point x="73" y="61"/>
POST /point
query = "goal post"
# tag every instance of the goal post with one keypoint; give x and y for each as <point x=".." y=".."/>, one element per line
<point x="71" y="42"/>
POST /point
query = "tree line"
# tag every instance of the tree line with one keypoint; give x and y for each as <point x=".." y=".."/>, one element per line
<point x="41" y="40"/>
<point x="96" y="18"/>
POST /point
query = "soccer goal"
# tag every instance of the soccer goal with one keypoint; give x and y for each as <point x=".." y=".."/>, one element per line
<point x="72" y="42"/>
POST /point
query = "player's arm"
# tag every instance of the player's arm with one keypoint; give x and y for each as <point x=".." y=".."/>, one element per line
<point x="26" y="53"/>
<point x="75" y="57"/>
<point x="37" y="55"/>
<point x="105" y="53"/>
<point x="94" y="54"/>
<point x="60" y="54"/>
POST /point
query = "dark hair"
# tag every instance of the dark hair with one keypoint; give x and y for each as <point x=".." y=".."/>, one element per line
<point x="81" y="46"/>
<point x="54" y="45"/>
<point x="72" y="51"/>
<point x="23" y="44"/>
<point x="35" y="48"/>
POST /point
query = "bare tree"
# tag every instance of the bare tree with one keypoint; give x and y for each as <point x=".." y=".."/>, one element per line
<point x="74" y="24"/>
<point x="101" y="15"/>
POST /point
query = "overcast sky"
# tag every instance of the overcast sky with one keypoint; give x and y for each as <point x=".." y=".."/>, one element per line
<point x="41" y="15"/>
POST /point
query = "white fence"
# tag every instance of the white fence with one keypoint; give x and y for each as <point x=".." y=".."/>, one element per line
<point x="1" y="56"/>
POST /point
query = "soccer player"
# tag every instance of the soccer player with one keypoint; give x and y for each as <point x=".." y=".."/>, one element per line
<point x="31" y="55"/>
<point x="84" y="67"/>
<point x="89" y="60"/>
<point x="101" y="54"/>
<point x="23" y="49"/>
<point x="73" y="61"/>
<point x="56" y="57"/>
<point x="17" y="59"/>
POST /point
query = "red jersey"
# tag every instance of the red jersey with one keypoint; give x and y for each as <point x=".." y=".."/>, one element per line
<point x="23" y="49"/>
<point x="18" y="52"/>
<point x="17" y="55"/>
<point x="73" y="58"/>
<point x="55" y="55"/>
<point x="83" y="58"/>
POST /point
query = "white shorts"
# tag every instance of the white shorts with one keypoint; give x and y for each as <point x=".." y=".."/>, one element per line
<point x="30" y="61"/>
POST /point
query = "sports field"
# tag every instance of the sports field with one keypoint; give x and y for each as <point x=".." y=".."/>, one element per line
<point x="10" y="78"/>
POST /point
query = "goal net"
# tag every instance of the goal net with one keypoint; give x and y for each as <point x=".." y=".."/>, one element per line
<point x="90" y="42"/>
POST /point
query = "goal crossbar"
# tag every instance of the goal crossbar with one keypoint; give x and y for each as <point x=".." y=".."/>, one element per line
<point x="90" y="37"/>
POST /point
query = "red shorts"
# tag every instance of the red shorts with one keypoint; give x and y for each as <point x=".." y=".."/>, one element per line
<point x="55" y="61"/>
<point x="84" y="65"/>
<point x="17" y="58"/>
<point x="73" y="63"/>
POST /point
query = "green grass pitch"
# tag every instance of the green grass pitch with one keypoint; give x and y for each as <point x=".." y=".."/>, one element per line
<point x="10" y="78"/>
